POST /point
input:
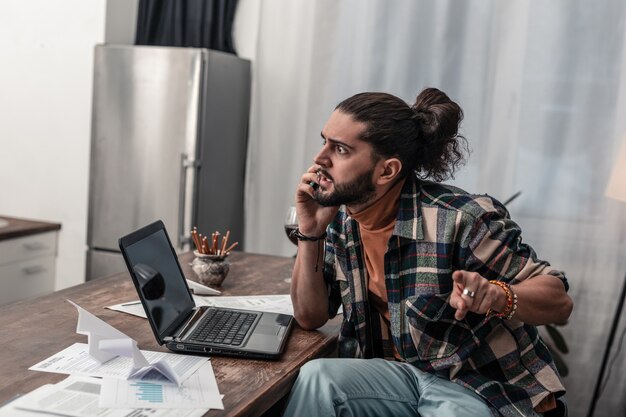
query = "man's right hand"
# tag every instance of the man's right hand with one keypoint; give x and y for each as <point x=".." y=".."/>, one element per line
<point x="313" y="218"/>
<point x="309" y="294"/>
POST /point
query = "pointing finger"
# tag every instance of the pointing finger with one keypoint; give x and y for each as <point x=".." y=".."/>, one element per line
<point x="461" y="310"/>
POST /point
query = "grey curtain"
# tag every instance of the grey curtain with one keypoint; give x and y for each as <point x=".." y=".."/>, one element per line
<point x="194" y="23"/>
<point x="543" y="87"/>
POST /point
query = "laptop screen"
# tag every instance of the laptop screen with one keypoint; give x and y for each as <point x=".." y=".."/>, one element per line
<point x="160" y="281"/>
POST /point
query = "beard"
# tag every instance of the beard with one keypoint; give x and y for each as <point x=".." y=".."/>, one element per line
<point x="358" y="191"/>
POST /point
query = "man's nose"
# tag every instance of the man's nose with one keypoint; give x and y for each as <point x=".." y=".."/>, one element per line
<point x="322" y="158"/>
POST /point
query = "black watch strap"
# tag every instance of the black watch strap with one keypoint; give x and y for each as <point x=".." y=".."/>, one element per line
<point x="296" y="233"/>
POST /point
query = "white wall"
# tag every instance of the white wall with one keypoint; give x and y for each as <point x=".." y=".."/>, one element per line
<point x="246" y="28"/>
<point x="46" y="51"/>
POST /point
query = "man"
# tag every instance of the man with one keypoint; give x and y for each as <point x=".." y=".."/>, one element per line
<point x="439" y="293"/>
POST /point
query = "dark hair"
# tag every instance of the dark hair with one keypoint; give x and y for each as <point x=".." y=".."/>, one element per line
<point x="423" y="136"/>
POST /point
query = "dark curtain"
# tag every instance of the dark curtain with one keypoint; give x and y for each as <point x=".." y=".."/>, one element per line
<point x="195" y="23"/>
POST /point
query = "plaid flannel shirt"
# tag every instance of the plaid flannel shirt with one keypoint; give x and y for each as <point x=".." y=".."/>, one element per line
<point x="440" y="229"/>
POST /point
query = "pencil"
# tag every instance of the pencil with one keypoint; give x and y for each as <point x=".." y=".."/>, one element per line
<point x="215" y="239"/>
<point x="130" y="304"/>
<point x="225" y="241"/>
<point x="202" y="240"/>
<point x="196" y="242"/>
<point x="205" y="246"/>
<point x="231" y="247"/>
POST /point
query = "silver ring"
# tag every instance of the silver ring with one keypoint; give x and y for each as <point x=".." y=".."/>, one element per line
<point x="469" y="293"/>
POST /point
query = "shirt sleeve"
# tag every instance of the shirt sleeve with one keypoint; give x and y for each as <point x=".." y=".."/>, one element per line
<point x="330" y="277"/>
<point x="492" y="246"/>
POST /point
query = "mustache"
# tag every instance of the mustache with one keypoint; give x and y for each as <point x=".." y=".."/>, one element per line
<point x="325" y="174"/>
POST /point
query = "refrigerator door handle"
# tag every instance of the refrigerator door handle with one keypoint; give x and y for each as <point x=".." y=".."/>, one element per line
<point x="185" y="163"/>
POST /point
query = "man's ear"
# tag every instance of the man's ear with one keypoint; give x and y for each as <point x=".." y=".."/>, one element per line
<point x="388" y="171"/>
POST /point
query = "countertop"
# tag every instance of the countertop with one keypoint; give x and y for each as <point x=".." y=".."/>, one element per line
<point x="23" y="227"/>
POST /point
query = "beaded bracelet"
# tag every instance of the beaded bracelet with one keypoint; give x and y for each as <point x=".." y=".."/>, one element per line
<point x="511" y="302"/>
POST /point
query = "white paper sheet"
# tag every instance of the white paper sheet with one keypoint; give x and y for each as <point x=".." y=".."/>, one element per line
<point x="199" y="289"/>
<point x="136" y="308"/>
<point x="269" y="303"/>
<point x="106" y="343"/>
<point x="75" y="360"/>
<point x="131" y="307"/>
<point x="198" y="391"/>
<point x="78" y="397"/>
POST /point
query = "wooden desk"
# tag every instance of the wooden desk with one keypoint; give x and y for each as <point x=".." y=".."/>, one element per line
<point x="36" y="329"/>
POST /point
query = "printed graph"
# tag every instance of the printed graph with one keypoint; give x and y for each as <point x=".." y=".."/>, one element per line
<point x="145" y="391"/>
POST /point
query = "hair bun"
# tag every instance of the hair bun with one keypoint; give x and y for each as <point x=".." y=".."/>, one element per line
<point x="436" y="114"/>
<point x="424" y="119"/>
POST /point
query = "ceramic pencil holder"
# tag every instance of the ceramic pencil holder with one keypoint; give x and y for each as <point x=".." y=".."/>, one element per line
<point x="210" y="269"/>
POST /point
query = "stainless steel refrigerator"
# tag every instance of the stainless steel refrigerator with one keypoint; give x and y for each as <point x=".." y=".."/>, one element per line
<point x="169" y="136"/>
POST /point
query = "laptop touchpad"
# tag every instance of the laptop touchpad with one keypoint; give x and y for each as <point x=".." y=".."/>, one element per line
<point x="268" y="329"/>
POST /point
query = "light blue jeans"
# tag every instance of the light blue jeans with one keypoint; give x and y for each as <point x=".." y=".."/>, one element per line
<point x="376" y="387"/>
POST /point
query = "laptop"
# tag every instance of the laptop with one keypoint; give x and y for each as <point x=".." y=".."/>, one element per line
<point x="175" y="319"/>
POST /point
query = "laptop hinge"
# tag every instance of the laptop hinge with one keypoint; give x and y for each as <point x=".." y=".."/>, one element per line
<point x="197" y="313"/>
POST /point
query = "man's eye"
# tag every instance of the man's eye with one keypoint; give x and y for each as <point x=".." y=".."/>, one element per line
<point x="340" y="149"/>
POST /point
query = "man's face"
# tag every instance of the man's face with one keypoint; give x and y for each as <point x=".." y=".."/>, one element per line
<point x="346" y="164"/>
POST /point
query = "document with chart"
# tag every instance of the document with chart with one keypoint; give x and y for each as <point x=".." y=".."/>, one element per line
<point x="198" y="391"/>
<point x="78" y="396"/>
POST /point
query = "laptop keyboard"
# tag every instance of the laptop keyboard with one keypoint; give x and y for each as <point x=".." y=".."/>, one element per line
<point x="224" y="327"/>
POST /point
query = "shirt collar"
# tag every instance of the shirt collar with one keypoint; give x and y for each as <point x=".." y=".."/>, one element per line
<point x="409" y="219"/>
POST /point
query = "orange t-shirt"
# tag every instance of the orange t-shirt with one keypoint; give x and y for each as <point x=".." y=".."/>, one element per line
<point x="376" y="224"/>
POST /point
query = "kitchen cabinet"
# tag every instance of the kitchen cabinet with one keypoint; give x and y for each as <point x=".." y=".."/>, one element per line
<point x="28" y="252"/>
